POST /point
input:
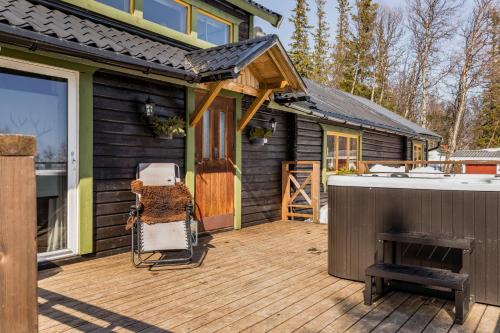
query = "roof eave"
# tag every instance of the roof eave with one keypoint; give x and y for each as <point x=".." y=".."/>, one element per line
<point x="321" y="115"/>
<point x="36" y="41"/>
<point x="274" y="19"/>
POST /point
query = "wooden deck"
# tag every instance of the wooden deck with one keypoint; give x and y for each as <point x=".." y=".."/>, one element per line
<point x="271" y="277"/>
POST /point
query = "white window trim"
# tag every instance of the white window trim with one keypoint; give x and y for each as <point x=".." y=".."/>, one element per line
<point x="73" y="79"/>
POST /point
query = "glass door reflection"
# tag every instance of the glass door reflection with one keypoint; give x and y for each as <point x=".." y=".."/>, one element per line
<point x="38" y="105"/>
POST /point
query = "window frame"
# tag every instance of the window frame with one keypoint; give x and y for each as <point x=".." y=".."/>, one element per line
<point x="131" y="9"/>
<point x="217" y="18"/>
<point x="189" y="15"/>
<point x="414" y="145"/>
<point x="338" y="134"/>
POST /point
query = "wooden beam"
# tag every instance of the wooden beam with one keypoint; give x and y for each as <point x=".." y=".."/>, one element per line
<point x="261" y="97"/>
<point x="283" y="71"/>
<point x="233" y="86"/>
<point x="274" y="85"/>
<point x="215" y="88"/>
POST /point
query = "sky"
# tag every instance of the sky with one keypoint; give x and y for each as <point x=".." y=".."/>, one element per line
<point x="284" y="7"/>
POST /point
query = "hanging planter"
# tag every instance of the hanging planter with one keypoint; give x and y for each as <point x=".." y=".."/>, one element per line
<point x="163" y="127"/>
<point x="259" y="135"/>
<point x="167" y="128"/>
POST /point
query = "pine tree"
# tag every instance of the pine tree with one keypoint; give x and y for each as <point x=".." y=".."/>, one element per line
<point x="299" y="47"/>
<point x="488" y="132"/>
<point x="321" y="45"/>
<point x="341" y="43"/>
<point x="360" y="55"/>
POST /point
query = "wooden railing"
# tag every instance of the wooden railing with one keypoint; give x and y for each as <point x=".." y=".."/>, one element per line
<point x="301" y="180"/>
<point x="448" y="166"/>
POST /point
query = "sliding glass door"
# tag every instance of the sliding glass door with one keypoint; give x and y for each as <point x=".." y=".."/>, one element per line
<point x="38" y="104"/>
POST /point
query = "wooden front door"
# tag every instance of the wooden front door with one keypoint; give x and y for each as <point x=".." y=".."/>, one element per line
<point x="214" y="183"/>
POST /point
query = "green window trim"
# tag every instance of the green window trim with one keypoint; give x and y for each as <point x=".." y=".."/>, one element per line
<point x="340" y="130"/>
<point x="135" y="19"/>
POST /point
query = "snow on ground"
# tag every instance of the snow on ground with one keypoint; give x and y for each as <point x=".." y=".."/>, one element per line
<point x="323" y="215"/>
<point x="425" y="170"/>
<point x="384" y="168"/>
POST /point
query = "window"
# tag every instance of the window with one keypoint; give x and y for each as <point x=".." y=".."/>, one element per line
<point x="172" y="14"/>
<point x="418" y="152"/>
<point x="124" y="5"/>
<point x="213" y="29"/>
<point x="342" y="152"/>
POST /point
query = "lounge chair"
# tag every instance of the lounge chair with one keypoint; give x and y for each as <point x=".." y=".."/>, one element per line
<point x="163" y="238"/>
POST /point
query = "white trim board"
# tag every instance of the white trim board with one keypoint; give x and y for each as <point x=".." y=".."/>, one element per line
<point x="73" y="79"/>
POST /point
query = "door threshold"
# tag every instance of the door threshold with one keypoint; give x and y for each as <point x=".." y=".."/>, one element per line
<point x="54" y="255"/>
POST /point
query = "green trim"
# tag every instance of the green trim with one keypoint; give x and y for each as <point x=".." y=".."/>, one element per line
<point x="275" y="21"/>
<point x="339" y="129"/>
<point x="331" y="128"/>
<point x="295" y="110"/>
<point x="238" y="168"/>
<point x="85" y="186"/>
<point x="214" y="11"/>
<point x="85" y="140"/>
<point x="137" y="20"/>
<point x="190" y="142"/>
<point x="251" y="23"/>
<point x="4" y="49"/>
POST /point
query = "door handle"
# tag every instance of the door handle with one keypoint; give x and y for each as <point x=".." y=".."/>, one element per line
<point x="73" y="158"/>
<point x="216" y="153"/>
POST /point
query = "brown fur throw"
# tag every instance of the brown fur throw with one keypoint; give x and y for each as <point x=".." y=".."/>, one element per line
<point x="160" y="204"/>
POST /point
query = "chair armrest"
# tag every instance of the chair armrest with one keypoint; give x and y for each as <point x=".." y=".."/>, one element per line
<point x="189" y="209"/>
<point x="135" y="210"/>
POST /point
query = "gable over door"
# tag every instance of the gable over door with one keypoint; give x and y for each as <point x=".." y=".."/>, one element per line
<point x="214" y="156"/>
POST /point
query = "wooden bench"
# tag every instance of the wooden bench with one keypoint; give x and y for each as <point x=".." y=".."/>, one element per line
<point x="458" y="283"/>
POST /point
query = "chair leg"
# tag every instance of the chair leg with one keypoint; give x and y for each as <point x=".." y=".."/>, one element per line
<point x="368" y="290"/>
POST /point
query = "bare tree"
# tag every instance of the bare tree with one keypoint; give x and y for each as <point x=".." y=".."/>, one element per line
<point x="429" y="23"/>
<point x="471" y="64"/>
<point x="387" y="34"/>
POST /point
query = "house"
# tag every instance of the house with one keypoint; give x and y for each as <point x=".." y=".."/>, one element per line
<point x="80" y="75"/>
<point x="483" y="155"/>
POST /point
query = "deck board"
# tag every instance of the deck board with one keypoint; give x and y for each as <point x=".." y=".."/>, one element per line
<point x="270" y="277"/>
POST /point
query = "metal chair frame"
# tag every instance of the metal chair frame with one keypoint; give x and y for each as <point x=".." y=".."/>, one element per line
<point x="137" y="253"/>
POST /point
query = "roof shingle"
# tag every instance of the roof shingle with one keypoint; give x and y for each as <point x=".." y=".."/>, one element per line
<point x="340" y="106"/>
<point x="54" y="26"/>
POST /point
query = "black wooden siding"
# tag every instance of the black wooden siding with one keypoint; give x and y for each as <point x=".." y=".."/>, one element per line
<point x="382" y="146"/>
<point x="121" y="141"/>
<point x="375" y="145"/>
<point x="261" y="181"/>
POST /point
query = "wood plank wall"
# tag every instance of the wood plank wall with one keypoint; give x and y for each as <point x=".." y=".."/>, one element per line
<point x="383" y="146"/>
<point x="121" y="141"/>
<point x="261" y="189"/>
<point x="453" y="213"/>
<point x="376" y="145"/>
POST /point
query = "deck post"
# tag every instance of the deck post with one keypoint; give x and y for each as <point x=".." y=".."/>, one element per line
<point x="285" y="193"/>
<point x="18" y="263"/>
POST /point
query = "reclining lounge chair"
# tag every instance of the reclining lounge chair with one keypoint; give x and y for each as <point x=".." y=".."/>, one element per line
<point x="151" y="239"/>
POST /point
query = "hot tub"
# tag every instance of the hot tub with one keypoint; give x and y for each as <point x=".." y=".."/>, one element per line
<point x="451" y="205"/>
